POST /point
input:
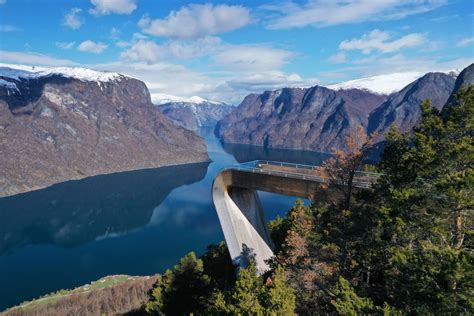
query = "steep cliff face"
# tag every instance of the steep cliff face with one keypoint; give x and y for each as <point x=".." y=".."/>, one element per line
<point x="193" y="115"/>
<point x="73" y="123"/>
<point x="403" y="108"/>
<point x="465" y="78"/>
<point x="316" y="118"/>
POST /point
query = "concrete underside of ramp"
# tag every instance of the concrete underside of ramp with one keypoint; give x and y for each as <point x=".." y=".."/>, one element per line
<point x="240" y="212"/>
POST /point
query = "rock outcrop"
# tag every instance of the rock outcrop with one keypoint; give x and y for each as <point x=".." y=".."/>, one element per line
<point x="69" y="123"/>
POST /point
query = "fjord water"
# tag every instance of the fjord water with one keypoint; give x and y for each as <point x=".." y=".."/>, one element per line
<point x="135" y="223"/>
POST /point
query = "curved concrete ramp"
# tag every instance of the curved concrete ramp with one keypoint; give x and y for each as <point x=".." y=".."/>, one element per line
<point x="240" y="212"/>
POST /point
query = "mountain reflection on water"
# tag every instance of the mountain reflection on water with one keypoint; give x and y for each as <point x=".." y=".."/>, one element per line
<point x="139" y="222"/>
<point x="243" y="153"/>
<point x="75" y="212"/>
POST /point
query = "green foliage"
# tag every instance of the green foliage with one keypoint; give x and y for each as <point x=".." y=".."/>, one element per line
<point x="432" y="278"/>
<point x="217" y="304"/>
<point x="181" y="291"/>
<point x="250" y="296"/>
<point x="369" y="168"/>
<point x="219" y="267"/>
<point x="155" y="305"/>
<point x="278" y="231"/>
<point x="279" y="299"/>
<point x="347" y="302"/>
<point x="245" y="297"/>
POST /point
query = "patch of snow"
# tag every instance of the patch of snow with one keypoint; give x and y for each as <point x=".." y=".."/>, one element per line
<point x="382" y="84"/>
<point x="161" y="98"/>
<point x="17" y="72"/>
<point x="9" y="85"/>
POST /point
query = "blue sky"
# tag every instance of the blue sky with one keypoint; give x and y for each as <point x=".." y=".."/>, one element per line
<point x="226" y="49"/>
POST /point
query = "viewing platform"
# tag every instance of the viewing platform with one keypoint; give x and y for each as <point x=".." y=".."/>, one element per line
<point x="362" y="179"/>
<point x="239" y="209"/>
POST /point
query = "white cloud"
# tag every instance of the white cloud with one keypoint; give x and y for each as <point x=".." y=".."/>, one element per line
<point x="91" y="47"/>
<point x="252" y="58"/>
<point x="165" y="77"/>
<point x="239" y="58"/>
<point x="399" y="63"/>
<point x="3" y="1"/>
<point x="33" y="59"/>
<point x="65" y="45"/>
<point x="338" y="58"/>
<point x="190" y="49"/>
<point x="466" y="42"/>
<point x="197" y="20"/>
<point x="143" y="50"/>
<point x="149" y="51"/>
<point x="332" y="12"/>
<point x="380" y="41"/>
<point x="258" y="82"/>
<point x="105" y="7"/>
<point x="73" y="20"/>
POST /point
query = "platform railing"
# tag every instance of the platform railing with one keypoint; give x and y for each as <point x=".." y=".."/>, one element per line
<point x="362" y="179"/>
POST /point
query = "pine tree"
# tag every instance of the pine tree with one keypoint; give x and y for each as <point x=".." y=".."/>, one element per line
<point x="186" y="288"/>
<point x="155" y="304"/>
<point x="426" y="198"/>
<point x="279" y="298"/>
<point x="347" y="302"/>
<point x="246" y="296"/>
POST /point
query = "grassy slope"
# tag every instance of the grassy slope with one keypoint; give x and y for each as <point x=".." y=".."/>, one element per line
<point x="56" y="298"/>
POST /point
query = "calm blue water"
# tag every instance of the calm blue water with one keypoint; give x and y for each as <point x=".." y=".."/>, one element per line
<point x="135" y="223"/>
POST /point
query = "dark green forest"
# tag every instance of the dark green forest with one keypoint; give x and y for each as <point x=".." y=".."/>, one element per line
<point x="403" y="247"/>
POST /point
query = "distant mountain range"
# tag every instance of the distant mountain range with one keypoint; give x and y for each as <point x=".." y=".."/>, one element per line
<point x="67" y="123"/>
<point x="194" y="112"/>
<point x="320" y="118"/>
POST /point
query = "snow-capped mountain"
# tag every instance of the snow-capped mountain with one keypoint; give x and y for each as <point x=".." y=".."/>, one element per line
<point x="161" y="98"/>
<point x="14" y="73"/>
<point x="382" y="84"/>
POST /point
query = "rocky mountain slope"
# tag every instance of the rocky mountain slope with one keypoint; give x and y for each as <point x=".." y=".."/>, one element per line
<point x="403" y="108"/>
<point x="69" y="123"/>
<point x="316" y="118"/>
<point x="194" y="112"/>
<point x="465" y="78"/>
<point x="319" y="118"/>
